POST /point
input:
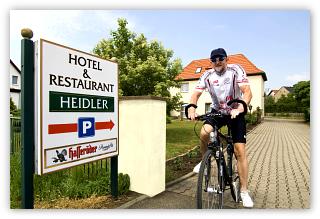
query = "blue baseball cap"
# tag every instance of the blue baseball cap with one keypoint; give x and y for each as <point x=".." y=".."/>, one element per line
<point x="218" y="52"/>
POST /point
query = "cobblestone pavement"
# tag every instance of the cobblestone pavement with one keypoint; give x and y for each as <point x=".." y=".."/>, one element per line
<point x="278" y="153"/>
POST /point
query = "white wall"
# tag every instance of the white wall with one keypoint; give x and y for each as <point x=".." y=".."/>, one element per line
<point x="15" y="95"/>
<point x="257" y="89"/>
<point x="142" y="143"/>
<point x="13" y="71"/>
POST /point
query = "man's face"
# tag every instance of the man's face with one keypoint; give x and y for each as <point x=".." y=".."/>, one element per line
<point x="219" y="64"/>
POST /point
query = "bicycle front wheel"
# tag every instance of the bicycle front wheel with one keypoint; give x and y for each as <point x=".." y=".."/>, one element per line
<point x="210" y="184"/>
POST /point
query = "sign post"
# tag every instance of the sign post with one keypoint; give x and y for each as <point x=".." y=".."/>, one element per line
<point x="27" y="118"/>
<point x="114" y="176"/>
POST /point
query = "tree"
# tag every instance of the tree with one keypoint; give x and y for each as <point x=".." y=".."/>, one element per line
<point x="145" y="68"/>
<point x="269" y="104"/>
<point x="13" y="108"/>
<point x="301" y="92"/>
<point x="287" y="104"/>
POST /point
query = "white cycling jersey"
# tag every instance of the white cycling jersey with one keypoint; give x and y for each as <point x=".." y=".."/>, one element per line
<point x="223" y="88"/>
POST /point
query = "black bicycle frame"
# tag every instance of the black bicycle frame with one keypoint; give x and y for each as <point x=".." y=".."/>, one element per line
<point x="219" y="157"/>
<point x="230" y="152"/>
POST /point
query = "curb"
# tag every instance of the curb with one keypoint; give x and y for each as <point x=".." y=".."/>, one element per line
<point x="188" y="175"/>
<point x="142" y="197"/>
<point x="132" y="202"/>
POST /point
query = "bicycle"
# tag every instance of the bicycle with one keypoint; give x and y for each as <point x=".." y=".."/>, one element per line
<point x="215" y="173"/>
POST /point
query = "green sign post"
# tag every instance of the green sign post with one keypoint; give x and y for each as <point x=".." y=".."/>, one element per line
<point x="27" y="118"/>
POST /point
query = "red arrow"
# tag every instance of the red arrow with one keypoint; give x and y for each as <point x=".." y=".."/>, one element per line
<point x="104" y="125"/>
<point x="73" y="127"/>
<point x="62" y="128"/>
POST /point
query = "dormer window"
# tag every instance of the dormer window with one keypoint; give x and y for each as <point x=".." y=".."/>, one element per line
<point x="198" y="70"/>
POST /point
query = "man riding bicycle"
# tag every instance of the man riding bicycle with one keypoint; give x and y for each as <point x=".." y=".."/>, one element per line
<point x="225" y="82"/>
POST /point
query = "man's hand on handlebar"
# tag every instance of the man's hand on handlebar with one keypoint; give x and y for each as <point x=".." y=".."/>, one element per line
<point x="192" y="113"/>
<point x="235" y="112"/>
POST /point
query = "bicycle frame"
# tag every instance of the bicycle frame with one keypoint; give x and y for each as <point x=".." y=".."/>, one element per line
<point x="217" y="150"/>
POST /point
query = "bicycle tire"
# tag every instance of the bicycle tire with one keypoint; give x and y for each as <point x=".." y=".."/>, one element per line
<point x="210" y="185"/>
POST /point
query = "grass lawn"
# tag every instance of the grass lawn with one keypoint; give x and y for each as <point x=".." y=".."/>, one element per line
<point x="181" y="137"/>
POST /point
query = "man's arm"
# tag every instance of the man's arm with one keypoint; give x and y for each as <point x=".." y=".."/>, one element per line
<point x="247" y="96"/>
<point x="194" y="99"/>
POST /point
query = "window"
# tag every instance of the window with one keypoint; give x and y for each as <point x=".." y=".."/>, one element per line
<point x="208" y="107"/>
<point x="184" y="87"/>
<point x="182" y="112"/>
<point x="14" y="80"/>
<point x="198" y="70"/>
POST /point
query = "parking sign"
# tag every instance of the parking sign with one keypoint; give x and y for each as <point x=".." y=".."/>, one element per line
<point x="86" y="127"/>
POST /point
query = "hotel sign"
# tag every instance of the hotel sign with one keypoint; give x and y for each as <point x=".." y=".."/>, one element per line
<point x="76" y="107"/>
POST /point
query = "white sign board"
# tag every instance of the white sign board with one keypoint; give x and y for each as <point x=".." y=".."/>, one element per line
<point x="76" y="107"/>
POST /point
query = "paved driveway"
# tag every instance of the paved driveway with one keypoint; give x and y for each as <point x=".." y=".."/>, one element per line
<point x="279" y="170"/>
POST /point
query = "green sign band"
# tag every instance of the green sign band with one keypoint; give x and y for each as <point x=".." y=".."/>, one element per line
<point x="70" y="102"/>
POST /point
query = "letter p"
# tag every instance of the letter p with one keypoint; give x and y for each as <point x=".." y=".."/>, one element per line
<point x="86" y="125"/>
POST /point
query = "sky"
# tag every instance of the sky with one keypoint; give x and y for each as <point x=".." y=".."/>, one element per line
<point x="276" y="41"/>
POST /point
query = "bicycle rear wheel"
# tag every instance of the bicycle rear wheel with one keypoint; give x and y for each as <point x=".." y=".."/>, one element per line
<point x="210" y="184"/>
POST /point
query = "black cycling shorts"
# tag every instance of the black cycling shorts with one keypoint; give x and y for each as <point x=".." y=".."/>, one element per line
<point x="237" y="125"/>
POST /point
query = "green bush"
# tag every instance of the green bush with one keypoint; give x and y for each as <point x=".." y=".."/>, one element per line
<point x="178" y="162"/>
<point x="123" y="183"/>
<point x="194" y="153"/>
<point x="251" y="119"/>
<point x="307" y="114"/>
<point x="168" y="119"/>
<point x="15" y="181"/>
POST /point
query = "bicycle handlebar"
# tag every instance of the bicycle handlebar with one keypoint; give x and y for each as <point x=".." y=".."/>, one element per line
<point x="217" y="114"/>
<point x="245" y="108"/>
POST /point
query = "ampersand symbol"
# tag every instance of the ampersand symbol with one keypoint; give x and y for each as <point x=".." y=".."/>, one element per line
<point x="85" y="74"/>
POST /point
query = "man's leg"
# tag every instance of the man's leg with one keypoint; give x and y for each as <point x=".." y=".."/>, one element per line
<point x="242" y="164"/>
<point x="204" y="137"/>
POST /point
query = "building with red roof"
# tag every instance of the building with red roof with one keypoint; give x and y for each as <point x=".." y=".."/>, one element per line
<point x="192" y="72"/>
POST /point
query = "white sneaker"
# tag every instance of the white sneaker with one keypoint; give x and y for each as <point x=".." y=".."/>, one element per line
<point x="246" y="199"/>
<point x="197" y="168"/>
